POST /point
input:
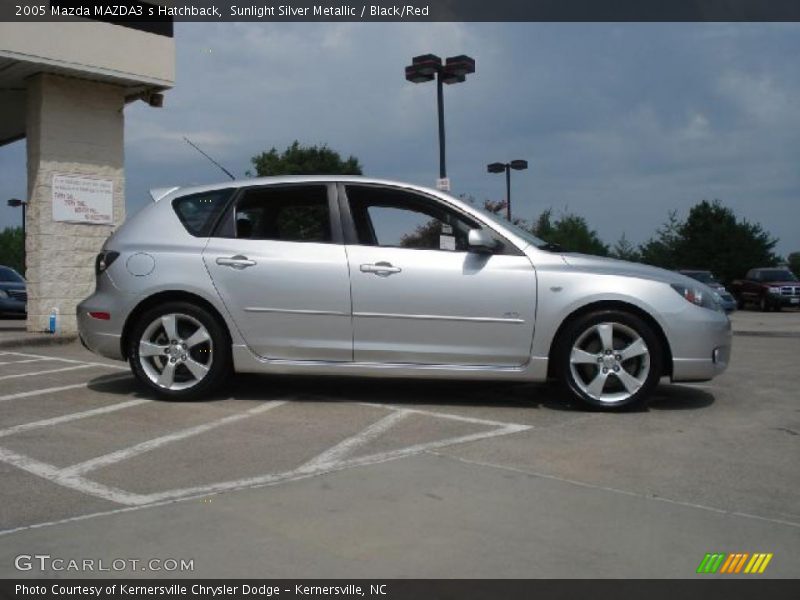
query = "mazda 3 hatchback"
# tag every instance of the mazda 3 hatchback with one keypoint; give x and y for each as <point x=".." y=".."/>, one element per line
<point x="371" y="278"/>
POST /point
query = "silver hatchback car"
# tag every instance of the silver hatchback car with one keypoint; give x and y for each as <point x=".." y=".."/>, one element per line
<point x="355" y="276"/>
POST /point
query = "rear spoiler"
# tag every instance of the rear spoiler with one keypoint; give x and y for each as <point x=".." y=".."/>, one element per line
<point x="158" y="193"/>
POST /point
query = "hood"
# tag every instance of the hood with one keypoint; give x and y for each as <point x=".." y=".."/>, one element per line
<point x="613" y="266"/>
<point x="781" y="283"/>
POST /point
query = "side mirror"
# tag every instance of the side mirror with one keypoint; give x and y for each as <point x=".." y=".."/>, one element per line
<point x="480" y="241"/>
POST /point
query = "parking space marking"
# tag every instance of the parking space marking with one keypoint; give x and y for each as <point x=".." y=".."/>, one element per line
<point x="27" y="360"/>
<point x="62" y="388"/>
<point x="66" y="360"/>
<point x="71" y="417"/>
<point x="46" y="372"/>
<point x="74" y="482"/>
<point x="147" y="446"/>
<point x="338" y="452"/>
<point x="331" y="460"/>
<point x="321" y="468"/>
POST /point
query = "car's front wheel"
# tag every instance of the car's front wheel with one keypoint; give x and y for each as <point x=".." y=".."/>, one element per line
<point x="609" y="359"/>
<point x="179" y="351"/>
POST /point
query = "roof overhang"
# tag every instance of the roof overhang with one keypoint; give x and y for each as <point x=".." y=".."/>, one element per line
<point x="137" y="60"/>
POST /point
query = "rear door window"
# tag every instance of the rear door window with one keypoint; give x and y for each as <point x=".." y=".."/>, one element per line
<point x="298" y="213"/>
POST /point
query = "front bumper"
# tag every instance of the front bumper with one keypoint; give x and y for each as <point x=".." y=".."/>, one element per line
<point x="701" y="342"/>
<point x="784" y="301"/>
<point x="10" y="306"/>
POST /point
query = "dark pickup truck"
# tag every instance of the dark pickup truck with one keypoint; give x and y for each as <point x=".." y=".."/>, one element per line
<point x="768" y="289"/>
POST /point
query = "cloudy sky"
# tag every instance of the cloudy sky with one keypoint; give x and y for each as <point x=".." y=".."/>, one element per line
<point x="620" y="122"/>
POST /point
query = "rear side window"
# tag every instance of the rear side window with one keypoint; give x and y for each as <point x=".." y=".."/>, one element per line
<point x="199" y="212"/>
<point x="298" y="213"/>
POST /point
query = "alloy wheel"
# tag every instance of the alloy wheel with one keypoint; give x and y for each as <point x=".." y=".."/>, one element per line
<point x="175" y="351"/>
<point x="609" y="362"/>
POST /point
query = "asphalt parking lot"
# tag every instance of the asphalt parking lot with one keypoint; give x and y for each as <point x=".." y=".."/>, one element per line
<point x="329" y="477"/>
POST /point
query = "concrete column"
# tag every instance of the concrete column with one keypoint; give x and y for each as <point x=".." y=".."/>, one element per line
<point x="74" y="127"/>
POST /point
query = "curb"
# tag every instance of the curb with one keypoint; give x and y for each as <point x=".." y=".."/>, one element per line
<point x="38" y="340"/>
<point x="768" y="334"/>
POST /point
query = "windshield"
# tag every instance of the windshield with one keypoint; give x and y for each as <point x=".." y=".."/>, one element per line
<point x="11" y="275"/>
<point x="776" y="275"/>
<point x="515" y="229"/>
<point x="701" y="276"/>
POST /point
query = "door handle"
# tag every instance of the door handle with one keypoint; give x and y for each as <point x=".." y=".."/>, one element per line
<point x="382" y="269"/>
<point x="236" y="262"/>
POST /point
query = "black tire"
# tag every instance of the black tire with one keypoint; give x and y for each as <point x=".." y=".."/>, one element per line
<point x="740" y="303"/>
<point x="629" y="323"/>
<point x="218" y="351"/>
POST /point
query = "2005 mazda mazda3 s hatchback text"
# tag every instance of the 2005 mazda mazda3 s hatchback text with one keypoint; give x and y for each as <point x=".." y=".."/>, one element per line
<point x="357" y="276"/>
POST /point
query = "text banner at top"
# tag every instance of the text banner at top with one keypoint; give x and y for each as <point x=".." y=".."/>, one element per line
<point x="124" y="11"/>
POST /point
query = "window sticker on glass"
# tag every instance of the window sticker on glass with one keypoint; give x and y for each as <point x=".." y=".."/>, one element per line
<point x="447" y="242"/>
<point x="447" y="229"/>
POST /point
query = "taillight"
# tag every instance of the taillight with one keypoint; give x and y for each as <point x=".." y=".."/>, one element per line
<point x="102" y="316"/>
<point x="104" y="260"/>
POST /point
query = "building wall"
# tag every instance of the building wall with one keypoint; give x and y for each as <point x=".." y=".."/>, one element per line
<point x="74" y="127"/>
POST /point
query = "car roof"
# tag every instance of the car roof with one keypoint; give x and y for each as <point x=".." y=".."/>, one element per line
<point x="159" y="193"/>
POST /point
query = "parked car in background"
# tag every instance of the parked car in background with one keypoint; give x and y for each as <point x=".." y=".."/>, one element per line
<point x="13" y="292"/>
<point x="341" y="275"/>
<point x="726" y="300"/>
<point x="767" y="288"/>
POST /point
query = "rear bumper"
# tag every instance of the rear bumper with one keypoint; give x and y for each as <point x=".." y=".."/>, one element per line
<point x="100" y="336"/>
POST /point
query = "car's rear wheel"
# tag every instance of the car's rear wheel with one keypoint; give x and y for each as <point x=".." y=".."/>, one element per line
<point x="609" y="359"/>
<point x="179" y="351"/>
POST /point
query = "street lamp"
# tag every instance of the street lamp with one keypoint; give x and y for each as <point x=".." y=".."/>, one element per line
<point x="14" y="202"/>
<point x="498" y="167"/>
<point x="455" y="69"/>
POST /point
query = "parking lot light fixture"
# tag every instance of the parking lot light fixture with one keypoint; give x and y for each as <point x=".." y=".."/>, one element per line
<point x="14" y="202"/>
<point x="455" y="69"/>
<point x="498" y="167"/>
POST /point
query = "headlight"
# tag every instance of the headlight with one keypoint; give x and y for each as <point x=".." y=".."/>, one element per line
<point x="698" y="297"/>
<point x="775" y="290"/>
<point x="3" y="294"/>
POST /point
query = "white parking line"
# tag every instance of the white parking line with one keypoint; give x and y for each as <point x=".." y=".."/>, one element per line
<point x="71" y="417"/>
<point x="338" y="452"/>
<point x="67" y="360"/>
<point x="27" y="360"/>
<point x="62" y="388"/>
<point x="74" y="482"/>
<point x="46" y="372"/>
<point x="130" y="452"/>
<point x="327" y="467"/>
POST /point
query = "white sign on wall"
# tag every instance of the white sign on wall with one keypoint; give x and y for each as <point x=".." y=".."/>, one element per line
<point x="83" y="200"/>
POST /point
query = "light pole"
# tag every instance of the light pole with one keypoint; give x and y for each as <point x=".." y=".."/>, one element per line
<point x="14" y="202"/>
<point x="455" y="69"/>
<point x="498" y="167"/>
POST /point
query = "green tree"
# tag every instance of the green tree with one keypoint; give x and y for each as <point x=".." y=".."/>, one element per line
<point x="304" y="160"/>
<point x="12" y="246"/>
<point x="661" y="250"/>
<point x="794" y="262"/>
<point x="625" y="250"/>
<point x="713" y="238"/>
<point x="570" y="231"/>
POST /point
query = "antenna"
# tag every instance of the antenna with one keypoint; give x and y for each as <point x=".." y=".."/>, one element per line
<point x="228" y="173"/>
